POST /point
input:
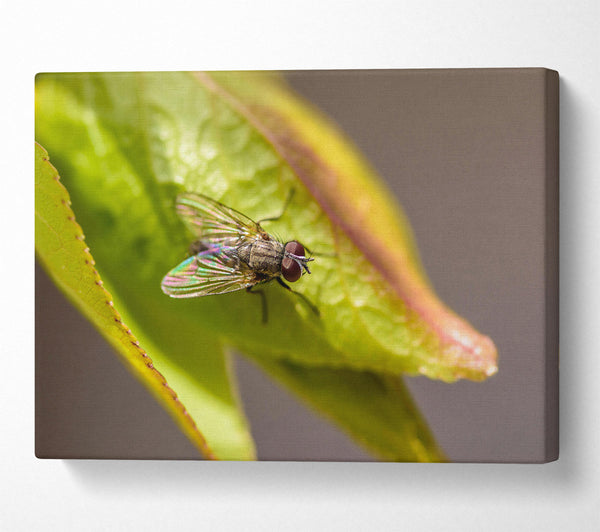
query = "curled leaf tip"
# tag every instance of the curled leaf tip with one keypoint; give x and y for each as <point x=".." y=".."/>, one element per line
<point x="361" y="210"/>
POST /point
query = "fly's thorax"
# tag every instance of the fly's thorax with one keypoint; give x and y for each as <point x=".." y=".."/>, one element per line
<point x="263" y="256"/>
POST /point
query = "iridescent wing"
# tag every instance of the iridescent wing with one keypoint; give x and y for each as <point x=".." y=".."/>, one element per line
<point x="214" y="223"/>
<point x="216" y="270"/>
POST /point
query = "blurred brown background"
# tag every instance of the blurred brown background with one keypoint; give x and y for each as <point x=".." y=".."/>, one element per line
<point x="464" y="152"/>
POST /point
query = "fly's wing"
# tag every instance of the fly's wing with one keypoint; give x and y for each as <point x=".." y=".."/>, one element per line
<point x="213" y="222"/>
<point x="216" y="270"/>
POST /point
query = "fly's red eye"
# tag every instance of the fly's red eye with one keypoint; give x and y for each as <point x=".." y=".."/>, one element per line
<point x="290" y="270"/>
<point x="295" y="248"/>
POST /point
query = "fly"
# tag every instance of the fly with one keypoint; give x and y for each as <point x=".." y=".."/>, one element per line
<point x="232" y="252"/>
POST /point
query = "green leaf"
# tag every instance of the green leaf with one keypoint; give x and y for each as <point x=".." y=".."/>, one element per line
<point x="207" y="400"/>
<point x="127" y="144"/>
<point x="241" y="139"/>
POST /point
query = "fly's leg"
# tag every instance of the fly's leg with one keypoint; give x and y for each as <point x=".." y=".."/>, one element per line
<point x="285" y="206"/>
<point x="263" y="298"/>
<point x="302" y="296"/>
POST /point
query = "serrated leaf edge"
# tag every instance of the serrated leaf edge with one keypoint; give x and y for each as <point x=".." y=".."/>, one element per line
<point x="186" y="419"/>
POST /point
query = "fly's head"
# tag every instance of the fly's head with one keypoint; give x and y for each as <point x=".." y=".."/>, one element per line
<point x="294" y="261"/>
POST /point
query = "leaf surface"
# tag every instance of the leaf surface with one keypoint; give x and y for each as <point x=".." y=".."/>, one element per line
<point x="156" y="134"/>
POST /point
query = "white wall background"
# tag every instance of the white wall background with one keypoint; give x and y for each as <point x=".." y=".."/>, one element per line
<point x="122" y="35"/>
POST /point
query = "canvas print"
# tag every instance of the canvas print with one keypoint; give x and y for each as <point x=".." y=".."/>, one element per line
<point x="307" y="265"/>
